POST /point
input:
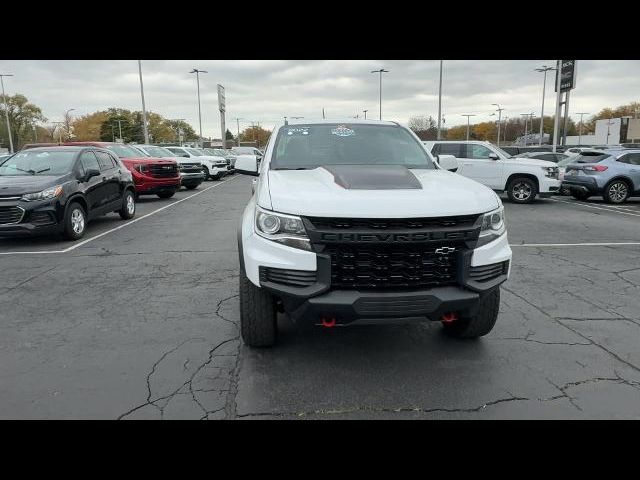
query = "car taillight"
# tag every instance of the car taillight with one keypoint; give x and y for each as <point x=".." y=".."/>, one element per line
<point x="142" y="168"/>
<point x="596" y="168"/>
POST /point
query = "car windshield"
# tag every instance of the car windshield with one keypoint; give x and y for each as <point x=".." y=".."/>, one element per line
<point x="311" y="146"/>
<point x="158" y="152"/>
<point x="590" y="157"/>
<point x="194" y="152"/>
<point x="38" y="162"/>
<point x="123" y="151"/>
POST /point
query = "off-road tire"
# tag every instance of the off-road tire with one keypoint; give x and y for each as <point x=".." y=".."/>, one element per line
<point x="481" y="323"/>
<point x="512" y="187"/>
<point x="258" y="317"/>
<point x="205" y="170"/>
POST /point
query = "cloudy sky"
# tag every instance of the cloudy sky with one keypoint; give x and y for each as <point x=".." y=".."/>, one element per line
<point x="267" y="90"/>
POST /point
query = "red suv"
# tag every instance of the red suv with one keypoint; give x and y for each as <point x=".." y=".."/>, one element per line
<point x="151" y="176"/>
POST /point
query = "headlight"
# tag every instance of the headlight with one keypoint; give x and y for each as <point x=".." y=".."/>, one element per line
<point x="551" y="172"/>
<point x="47" y="194"/>
<point x="279" y="227"/>
<point x="493" y="226"/>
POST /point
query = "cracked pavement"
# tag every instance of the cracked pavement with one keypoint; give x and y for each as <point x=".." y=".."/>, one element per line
<point x="142" y="323"/>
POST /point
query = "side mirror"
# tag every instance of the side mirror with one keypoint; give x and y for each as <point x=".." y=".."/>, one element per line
<point x="448" y="162"/>
<point x="494" y="156"/>
<point x="247" y="165"/>
<point x="92" y="172"/>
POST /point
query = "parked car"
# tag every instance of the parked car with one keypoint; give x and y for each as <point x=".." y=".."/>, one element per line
<point x="521" y="178"/>
<point x="516" y="151"/>
<point x="4" y="157"/>
<point x="614" y="174"/>
<point x="247" y="151"/>
<point x="356" y="223"/>
<point x="151" y="176"/>
<point x="221" y="152"/>
<point x="58" y="190"/>
<point x="36" y="145"/>
<point x="191" y="171"/>
<point x="548" y="156"/>
<point x="214" y="167"/>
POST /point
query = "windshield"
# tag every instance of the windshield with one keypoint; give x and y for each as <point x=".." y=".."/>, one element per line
<point x="34" y="162"/>
<point x="158" y="152"/>
<point x="311" y="146"/>
<point x="123" y="151"/>
<point x="194" y="152"/>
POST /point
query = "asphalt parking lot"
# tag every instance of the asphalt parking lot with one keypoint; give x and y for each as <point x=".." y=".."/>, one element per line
<point x="140" y="320"/>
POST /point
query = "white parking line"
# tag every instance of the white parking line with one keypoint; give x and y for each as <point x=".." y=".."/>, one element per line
<point x="594" y="244"/>
<point x="84" y="242"/>
<point x="607" y="209"/>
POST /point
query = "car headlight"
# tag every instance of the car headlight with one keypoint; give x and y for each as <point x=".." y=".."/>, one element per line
<point x="279" y="227"/>
<point x="493" y="226"/>
<point x="47" y="194"/>
<point x="551" y="172"/>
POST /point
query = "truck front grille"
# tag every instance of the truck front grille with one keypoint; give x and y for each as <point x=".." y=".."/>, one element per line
<point x="163" y="170"/>
<point x="406" y="224"/>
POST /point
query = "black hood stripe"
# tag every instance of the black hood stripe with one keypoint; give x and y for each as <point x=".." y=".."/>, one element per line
<point x="374" y="177"/>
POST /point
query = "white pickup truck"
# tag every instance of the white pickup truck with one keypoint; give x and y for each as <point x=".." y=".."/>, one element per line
<point x="521" y="178"/>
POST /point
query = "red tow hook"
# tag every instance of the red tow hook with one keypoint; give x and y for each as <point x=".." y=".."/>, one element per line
<point x="328" y="322"/>
<point x="448" y="317"/>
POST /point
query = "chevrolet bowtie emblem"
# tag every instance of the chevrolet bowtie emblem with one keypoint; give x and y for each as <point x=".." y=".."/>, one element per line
<point x="445" y="250"/>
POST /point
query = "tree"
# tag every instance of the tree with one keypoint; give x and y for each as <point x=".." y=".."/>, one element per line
<point x="424" y="127"/>
<point x="117" y="120"/>
<point x="180" y="126"/>
<point x="23" y="117"/>
<point x="255" y="134"/>
<point x="87" y="127"/>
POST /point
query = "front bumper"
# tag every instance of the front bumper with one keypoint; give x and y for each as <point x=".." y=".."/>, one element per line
<point x="549" y="186"/>
<point x="187" y="178"/>
<point x="38" y="218"/>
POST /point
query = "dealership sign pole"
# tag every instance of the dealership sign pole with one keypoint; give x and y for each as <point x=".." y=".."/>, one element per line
<point x="222" y="107"/>
<point x="565" y="82"/>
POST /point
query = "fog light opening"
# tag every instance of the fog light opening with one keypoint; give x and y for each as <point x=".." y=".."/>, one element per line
<point x="448" y="317"/>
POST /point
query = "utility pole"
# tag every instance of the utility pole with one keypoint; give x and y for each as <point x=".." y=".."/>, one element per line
<point x="544" y="69"/>
<point x="524" y="137"/>
<point x="499" y="110"/>
<point x="381" y="71"/>
<point x="582" y="114"/>
<point x="468" y="115"/>
<point x="439" y="103"/>
<point x="566" y="117"/>
<point x="144" y="109"/>
<point x="556" y="121"/>
<point x="6" y="109"/>
<point x="59" y="131"/>
<point x="238" y="129"/>
<point x="120" y="130"/>
<point x="198" y="72"/>
<point x="365" y="114"/>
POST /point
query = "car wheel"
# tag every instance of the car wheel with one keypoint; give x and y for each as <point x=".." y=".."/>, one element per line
<point x="166" y="194"/>
<point x="616" y="191"/>
<point x="205" y="170"/>
<point x="565" y="191"/>
<point x="481" y="323"/>
<point x="128" y="209"/>
<point x="258" y="325"/>
<point x="522" y="190"/>
<point x="75" y="222"/>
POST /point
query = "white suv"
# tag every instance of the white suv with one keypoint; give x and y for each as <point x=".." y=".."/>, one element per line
<point x="355" y="222"/>
<point x="521" y="178"/>
<point x="213" y="166"/>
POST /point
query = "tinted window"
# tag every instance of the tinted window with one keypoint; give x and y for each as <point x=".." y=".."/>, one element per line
<point x="477" y="152"/>
<point x="38" y="162"/>
<point x="105" y="161"/>
<point x="630" y="158"/>
<point x="311" y="146"/>
<point x="590" y="157"/>
<point x="89" y="161"/>
<point x="454" y="149"/>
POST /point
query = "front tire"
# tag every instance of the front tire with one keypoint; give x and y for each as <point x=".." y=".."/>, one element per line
<point x="128" y="210"/>
<point x="522" y="190"/>
<point x="75" y="222"/>
<point x="258" y="316"/>
<point x="616" y="191"/>
<point x="481" y="323"/>
<point x="205" y="170"/>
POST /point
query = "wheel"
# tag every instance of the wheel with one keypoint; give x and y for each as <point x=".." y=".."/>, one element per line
<point x="616" y="191"/>
<point x="522" y="190"/>
<point x="217" y="177"/>
<point x="166" y="194"/>
<point x="580" y="195"/>
<point x="481" y="323"/>
<point x="258" y="325"/>
<point x="565" y="191"/>
<point x="128" y="209"/>
<point x="75" y="221"/>
<point x="205" y="170"/>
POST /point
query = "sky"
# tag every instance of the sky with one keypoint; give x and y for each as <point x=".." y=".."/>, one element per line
<point x="265" y="91"/>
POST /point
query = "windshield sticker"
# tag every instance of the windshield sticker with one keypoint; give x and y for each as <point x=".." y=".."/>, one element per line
<point x="298" y="131"/>
<point x="343" y="131"/>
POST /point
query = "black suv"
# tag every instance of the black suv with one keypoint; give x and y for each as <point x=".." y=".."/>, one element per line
<point x="59" y="189"/>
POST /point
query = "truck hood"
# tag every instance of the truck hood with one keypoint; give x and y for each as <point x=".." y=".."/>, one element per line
<point x="182" y="160"/>
<point x="318" y="192"/>
<point x="534" y="162"/>
<point x="146" y="160"/>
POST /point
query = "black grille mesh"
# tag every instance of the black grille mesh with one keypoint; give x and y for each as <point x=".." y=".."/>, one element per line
<point x="484" y="273"/>
<point x="10" y="215"/>
<point x="292" y="278"/>
<point x="406" y="224"/>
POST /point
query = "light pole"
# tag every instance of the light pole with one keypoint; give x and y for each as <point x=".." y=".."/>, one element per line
<point x="499" y="110"/>
<point x="238" y="129"/>
<point x="504" y="134"/>
<point x="468" y="115"/>
<point x="120" y="130"/>
<point x="365" y="113"/>
<point x="198" y="72"/>
<point x="6" y="109"/>
<point x="544" y="69"/>
<point x="381" y="71"/>
<point x="144" y="109"/>
<point x="179" y="128"/>
<point x="59" y="131"/>
<point x="582" y="114"/>
<point x="525" y="115"/>
<point x="67" y="122"/>
<point x="608" y="130"/>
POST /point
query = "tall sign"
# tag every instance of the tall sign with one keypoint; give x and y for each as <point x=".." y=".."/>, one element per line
<point x="567" y="75"/>
<point x="222" y="107"/>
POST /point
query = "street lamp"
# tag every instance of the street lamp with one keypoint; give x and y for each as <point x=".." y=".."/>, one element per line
<point x="120" y="129"/>
<point x="504" y="135"/>
<point x="439" y="102"/>
<point x="238" y="129"/>
<point x="179" y="128"/>
<point x="499" y="110"/>
<point x="468" y="115"/>
<point x="365" y="113"/>
<point x="525" y="115"/>
<point x="582" y="114"/>
<point x="381" y="71"/>
<point x="198" y="72"/>
<point x="6" y="109"/>
<point x="144" y="109"/>
<point x="544" y="69"/>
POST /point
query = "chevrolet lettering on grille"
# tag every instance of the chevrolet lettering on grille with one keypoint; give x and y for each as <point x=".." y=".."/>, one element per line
<point x="327" y="237"/>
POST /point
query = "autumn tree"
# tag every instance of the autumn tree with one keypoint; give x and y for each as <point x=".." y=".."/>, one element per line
<point x="424" y="127"/>
<point x="255" y="134"/>
<point x="23" y="116"/>
<point x="87" y="127"/>
<point x="180" y="126"/>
